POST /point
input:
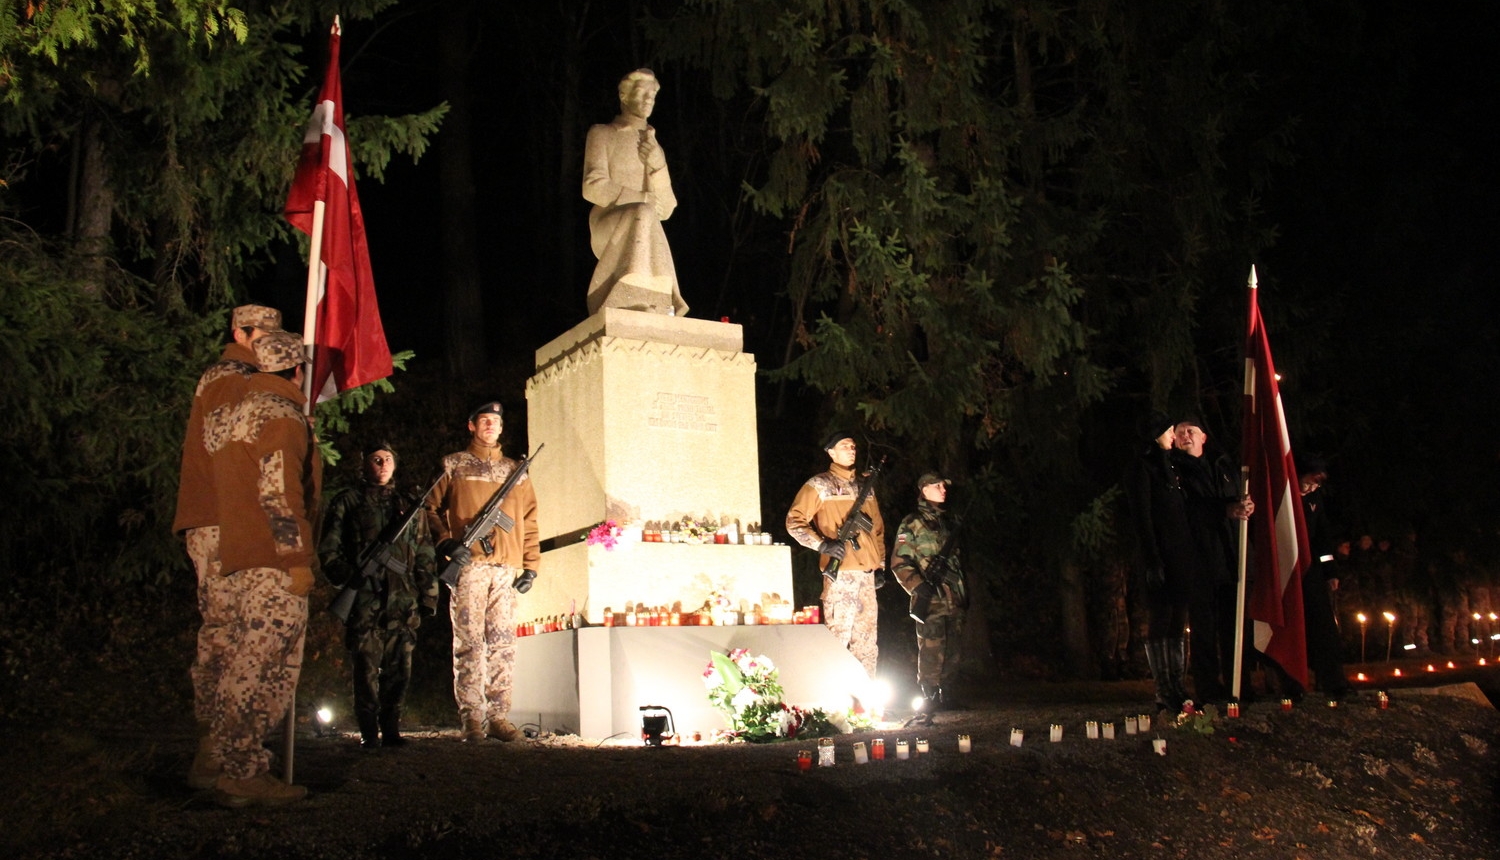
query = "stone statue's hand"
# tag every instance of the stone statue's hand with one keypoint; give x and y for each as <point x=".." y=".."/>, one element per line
<point x="650" y="152"/>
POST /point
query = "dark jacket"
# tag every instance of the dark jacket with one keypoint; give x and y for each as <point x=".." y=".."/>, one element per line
<point x="1208" y="482"/>
<point x="1158" y="511"/>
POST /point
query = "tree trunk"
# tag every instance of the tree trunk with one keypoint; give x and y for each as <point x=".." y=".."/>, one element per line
<point x="95" y="207"/>
<point x="464" y="308"/>
<point x="1073" y="612"/>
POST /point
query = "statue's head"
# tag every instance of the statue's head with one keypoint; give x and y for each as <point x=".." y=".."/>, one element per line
<point x="638" y="93"/>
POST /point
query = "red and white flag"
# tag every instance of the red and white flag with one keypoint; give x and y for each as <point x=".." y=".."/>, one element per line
<point x="1278" y="528"/>
<point x="349" y="347"/>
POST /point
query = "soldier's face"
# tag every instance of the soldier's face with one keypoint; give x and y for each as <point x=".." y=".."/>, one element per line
<point x="843" y="453"/>
<point x="486" y="428"/>
<point x="381" y="467"/>
<point x="936" y="493"/>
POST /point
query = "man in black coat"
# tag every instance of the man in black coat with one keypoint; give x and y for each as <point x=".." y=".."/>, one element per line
<point x="1324" y="651"/>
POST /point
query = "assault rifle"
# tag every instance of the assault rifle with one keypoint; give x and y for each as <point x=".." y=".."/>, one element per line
<point x="940" y="572"/>
<point x="857" y="521"/>
<point x="489" y="517"/>
<point x="377" y="557"/>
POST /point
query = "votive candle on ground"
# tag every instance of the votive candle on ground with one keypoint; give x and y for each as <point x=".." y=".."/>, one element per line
<point x="1143" y="722"/>
<point x="1091" y="730"/>
<point x="1056" y="732"/>
<point x="825" y="752"/>
<point x="804" y="760"/>
<point x="877" y="749"/>
<point x="1130" y="725"/>
<point x="1286" y="704"/>
<point x="1159" y="745"/>
<point x="964" y="744"/>
<point x="1108" y="729"/>
<point x="1233" y="709"/>
<point x="921" y="745"/>
<point x="1384" y="699"/>
<point x="860" y="756"/>
<point x="903" y="752"/>
<point x="1015" y="737"/>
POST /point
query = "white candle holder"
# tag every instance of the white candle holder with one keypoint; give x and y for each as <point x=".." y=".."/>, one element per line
<point x="1159" y="746"/>
<point x="903" y="751"/>
<point x="1015" y="737"/>
<point x="825" y="752"/>
<point x="1055" y="733"/>
<point x="1091" y="730"/>
<point x="1143" y="722"/>
<point x="922" y="747"/>
<point x="860" y="755"/>
<point x="1109" y="731"/>
<point x="964" y="744"/>
<point x="1130" y="725"/>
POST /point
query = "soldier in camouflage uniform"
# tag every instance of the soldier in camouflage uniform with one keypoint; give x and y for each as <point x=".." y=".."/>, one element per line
<point x="939" y="597"/>
<point x="483" y="604"/>
<point x="381" y="631"/>
<point x="266" y="477"/>
<point x="197" y="519"/>
<point x="818" y="512"/>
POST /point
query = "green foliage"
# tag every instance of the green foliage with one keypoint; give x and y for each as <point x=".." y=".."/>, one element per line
<point x="334" y="415"/>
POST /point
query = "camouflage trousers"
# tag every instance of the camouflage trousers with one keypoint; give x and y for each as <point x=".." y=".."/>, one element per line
<point x="262" y="663"/>
<point x="852" y="615"/>
<point x="1413" y="620"/>
<point x="381" y="661"/>
<point x="483" y="610"/>
<point x="215" y="597"/>
<point x="938" y="642"/>
<point x="1454" y="622"/>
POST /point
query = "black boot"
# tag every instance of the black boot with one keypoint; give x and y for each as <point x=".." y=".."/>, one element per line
<point x="390" y="727"/>
<point x="1156" y="657"/>
<point x="369" y="732"/>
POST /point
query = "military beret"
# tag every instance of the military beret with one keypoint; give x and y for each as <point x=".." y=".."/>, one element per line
<point x="279" y="350"/>
<point x="257" y="316"/>
<point x="380" y="446"/>
<point x="491" y="408"/>
<point x="836" y="437"/>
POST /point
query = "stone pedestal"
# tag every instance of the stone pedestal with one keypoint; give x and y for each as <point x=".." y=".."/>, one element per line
<point x="646" y="418"/>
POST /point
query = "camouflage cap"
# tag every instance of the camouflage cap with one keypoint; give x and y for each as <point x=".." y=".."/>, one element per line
<point x="279" y="350"/>
<point x="257" y="316"/>
<point x="930" y="478"/>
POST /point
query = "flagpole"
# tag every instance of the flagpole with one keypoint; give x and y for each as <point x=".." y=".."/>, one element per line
<point x="1244" y="548"/>
<point x="314" y="291"/>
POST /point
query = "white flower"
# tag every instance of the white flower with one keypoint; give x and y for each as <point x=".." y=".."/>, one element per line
<point x="840" y="721"/>
<point x="744" y="698"/>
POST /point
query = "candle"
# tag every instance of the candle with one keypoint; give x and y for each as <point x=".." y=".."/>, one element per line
<point x="1233" y="708"/>
<point x="877" y="749"/>
<point x="1159" y="745"/>
<point x="1056" y="733"/>
<point x="903" y="752"/>
<point x="1109" y="731"/>
<point x="721" y="538"/>
<point x="1333" y="703"/>
<point x="921" y="745"/>
<point x="1286" y="704"/>
<point x="804" y="760"/>
<point x="825" y="752"/>
<point x="1384" y="699"/>
<point x="964" y="744"/>
<point x="1091" y="730"/>
<point x="1015" y="737"/>
<point x="860" y="756"/>
<point x="1143" y="722"/>
<point x="1130" y="725"/>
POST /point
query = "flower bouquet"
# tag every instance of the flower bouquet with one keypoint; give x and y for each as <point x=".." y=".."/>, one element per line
<point x="746" y="690"/>
<point x="606" y="533"/>
<point x="1193" y="718"/>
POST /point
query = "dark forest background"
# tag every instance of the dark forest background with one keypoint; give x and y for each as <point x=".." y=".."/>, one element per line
<point x="989" y="233"/>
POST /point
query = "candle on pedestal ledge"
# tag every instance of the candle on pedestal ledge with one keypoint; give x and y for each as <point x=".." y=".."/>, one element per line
<point x="877" y="749"/>
<point x="860" y="756"/>
<point x="804" y="760"/>
<point x="825" y="752"/>
<point x="903" y="752"/>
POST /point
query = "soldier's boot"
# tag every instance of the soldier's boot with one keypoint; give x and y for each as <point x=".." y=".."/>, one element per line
<point x="390" y="727"/>
<point x="1156" y="657"/>
<point x="1177" y="669"/>
<point x="473" y="729"/>
<point x="502" y="729"/>
<point x="369" y="732"/>
<point x="204" y="771"/>
<point x="259" y="790"/>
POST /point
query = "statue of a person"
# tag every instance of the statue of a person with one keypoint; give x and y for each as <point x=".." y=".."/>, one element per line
<point x="625" y="177"/>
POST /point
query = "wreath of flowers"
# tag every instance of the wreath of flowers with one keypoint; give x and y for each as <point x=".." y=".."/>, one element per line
<point x="1193" y="718"/>
<point x="606" y="533"/>
<point x="745" y="689"/>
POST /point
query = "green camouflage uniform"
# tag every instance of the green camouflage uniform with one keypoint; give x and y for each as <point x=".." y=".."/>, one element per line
<point x="919" y="539"/>
<point x="382" y="627"/>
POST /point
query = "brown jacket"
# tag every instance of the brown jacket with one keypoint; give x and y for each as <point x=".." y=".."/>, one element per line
<point x="267" y="474"/>
<point x="219" y="388"/>
<point x="470" y="478"/>
<point x="821" y="507"/>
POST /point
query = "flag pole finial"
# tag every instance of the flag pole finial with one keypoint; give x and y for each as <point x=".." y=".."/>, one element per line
<point x="337" y="29"/>
<point x="1253" y="283"/>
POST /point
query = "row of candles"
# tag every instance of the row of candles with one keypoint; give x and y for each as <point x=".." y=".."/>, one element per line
<point x="1390" y="631"/>
<point x="721" y="537"/>
<point x="1092" y="729"/>
<point x="660" y="616"/>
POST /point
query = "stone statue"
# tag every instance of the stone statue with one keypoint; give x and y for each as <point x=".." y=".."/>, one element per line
<point x="625" y="177"/>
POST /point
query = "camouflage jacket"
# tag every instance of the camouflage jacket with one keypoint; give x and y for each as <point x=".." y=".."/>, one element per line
<point x="819" y="510"/>
<point x="353" y="521"/>
<point x="919" y="538"/>
<point x="266" y="477"/>
<point x="219" y="390"/>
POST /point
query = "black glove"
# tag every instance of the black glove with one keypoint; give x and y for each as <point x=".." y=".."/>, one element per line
<point x="880" y="579"/>
<point x="832" y="549"/>
<point x="454" y="551"/>
<point x="1156" y="576"/>
<point x="524" y="581"/>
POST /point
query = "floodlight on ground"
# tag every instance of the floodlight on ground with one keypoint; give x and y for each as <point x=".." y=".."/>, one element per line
<point x="657" y="726"/>
<point x="323" y="721"/>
